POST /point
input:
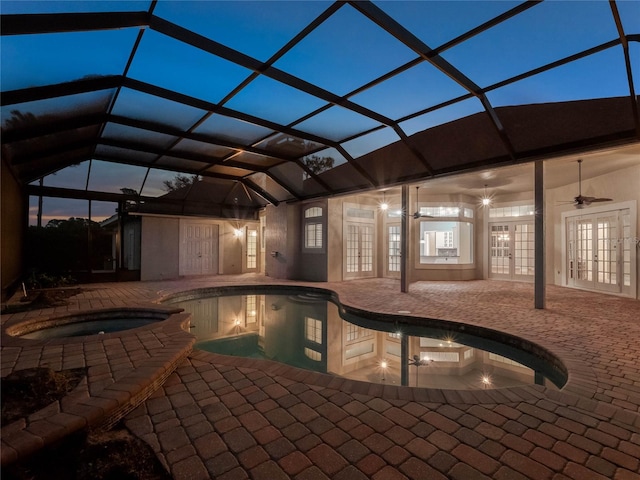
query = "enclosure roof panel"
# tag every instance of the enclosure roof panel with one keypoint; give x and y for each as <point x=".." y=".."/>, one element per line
<point x="271" y="101"/>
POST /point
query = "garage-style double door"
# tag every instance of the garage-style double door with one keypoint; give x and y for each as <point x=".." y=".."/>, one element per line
<point x="199" y="249"/>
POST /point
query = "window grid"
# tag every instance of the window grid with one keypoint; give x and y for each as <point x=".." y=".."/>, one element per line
<point x="251" y="311"/>
<point x="313" y="330"/>
<point x="512" y="211"/>
<point x="524" y="246"/>
<point x="252" y="249"/>
<point x="366" y="251"/>
<point x="626" y="247"/>
<point x="500" y="248"/>
<point x="313" y="235"/>
<point x="584" y="253"/>
<point x="440" y="356"/>
<point x="313" y="354"/>
<point x="394" y="248"/>
<point x="356" y="333"/>
<point x="313" y="212"/>
<point x="501" y="359"/>
<point x="352" y="248"/>
<point x="606" y="253"/>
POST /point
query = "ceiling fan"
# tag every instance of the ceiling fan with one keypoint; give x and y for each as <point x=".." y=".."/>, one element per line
<point x="581" y="200"/>
<point x="417" y="213"/>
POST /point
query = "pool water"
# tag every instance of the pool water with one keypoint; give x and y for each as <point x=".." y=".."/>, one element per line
<point x="308" y="330"/>
<point x="89" y="327"/>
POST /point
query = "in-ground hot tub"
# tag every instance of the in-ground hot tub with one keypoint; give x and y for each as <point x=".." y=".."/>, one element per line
<point x="97" y="322"/>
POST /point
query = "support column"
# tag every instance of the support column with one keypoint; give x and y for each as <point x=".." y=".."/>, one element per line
<point x="539" y="223"/>
<point x="404" y="240"/>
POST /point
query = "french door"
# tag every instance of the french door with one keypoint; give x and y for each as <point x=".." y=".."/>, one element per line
<point x="359" y="250"/>
<point x="598" y="251"/>
<point x="512" y="251"/>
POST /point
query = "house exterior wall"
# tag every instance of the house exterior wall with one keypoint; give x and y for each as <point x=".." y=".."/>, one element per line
<point x="13" y="224"/>
<point x="160" y="252"/>
<point x="231" y="248"/>
<point x="620" y="185"/>
<point x="334" y="239"/>
<point x="283" y="236"/>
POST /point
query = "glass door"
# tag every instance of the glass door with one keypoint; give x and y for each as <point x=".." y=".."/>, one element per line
<point x="394" y="237"/>
<point x="512" y="251"/>
<point x="598" y="251"/>
<point x="359" y="254"/>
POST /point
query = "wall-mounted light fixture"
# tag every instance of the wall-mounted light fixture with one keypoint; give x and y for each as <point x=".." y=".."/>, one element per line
<point x="237" y="232"/>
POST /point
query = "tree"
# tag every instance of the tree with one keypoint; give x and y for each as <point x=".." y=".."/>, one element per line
<point x="318" y="164"/>
<point x="180" y="181"/>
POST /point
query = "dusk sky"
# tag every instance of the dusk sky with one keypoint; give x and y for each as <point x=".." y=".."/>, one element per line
<point x="344" y="53"/>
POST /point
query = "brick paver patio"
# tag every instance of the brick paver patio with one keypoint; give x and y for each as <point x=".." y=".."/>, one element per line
<point x="233" y="418"/>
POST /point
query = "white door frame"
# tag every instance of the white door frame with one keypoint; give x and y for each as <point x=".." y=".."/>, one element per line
<point x="367" y="220"/>
<point x="628" y="291"/>
<point x="513" y="250"/>
<point x="209" y="262"/>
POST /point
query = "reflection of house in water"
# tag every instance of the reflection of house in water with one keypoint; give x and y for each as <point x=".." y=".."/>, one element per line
<point x="307" y="331"/>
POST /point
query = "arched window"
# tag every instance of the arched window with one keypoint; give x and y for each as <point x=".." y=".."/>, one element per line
<point x="313" y="229"/>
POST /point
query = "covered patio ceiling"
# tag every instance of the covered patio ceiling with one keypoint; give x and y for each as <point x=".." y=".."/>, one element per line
<point x="268" y="102"/>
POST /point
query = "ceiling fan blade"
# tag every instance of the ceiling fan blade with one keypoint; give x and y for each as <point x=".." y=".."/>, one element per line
<point x="591" y="200"/>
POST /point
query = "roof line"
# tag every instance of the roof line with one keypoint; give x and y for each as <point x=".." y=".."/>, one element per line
<point x="35" y="23"/>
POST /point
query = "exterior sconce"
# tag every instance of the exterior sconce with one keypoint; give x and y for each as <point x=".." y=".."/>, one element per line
<point x="237" y="233"/>
<point x="274" y="254"/>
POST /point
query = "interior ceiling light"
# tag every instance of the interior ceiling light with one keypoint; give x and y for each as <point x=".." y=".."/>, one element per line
<point x="384" y="206"/>
<point x="486" y="200"/>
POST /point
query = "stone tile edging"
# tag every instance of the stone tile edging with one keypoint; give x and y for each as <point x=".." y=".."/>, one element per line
<point x="105" y="407"/>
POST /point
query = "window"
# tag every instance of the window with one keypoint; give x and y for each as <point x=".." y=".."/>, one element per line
<point x="313" y="329"/>
<point x="313" y="354"/>
<point x="358" y="350"/>
<point x="440" y="356"/>
<point x="313" y="219"/>
<point x="446" y="242"/>
<point x="251" y="308"/>
<point x="511" y="211"/>
<point x="252" y="249"/>
<point x="355" y="333"/>
<point x="313" y="235"/>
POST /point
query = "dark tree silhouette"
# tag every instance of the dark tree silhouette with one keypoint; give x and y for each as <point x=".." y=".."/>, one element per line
<point x="180" y="181"/>
<point x="318" y="164"/>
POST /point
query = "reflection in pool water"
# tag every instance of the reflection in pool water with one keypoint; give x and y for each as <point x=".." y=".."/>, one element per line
<point x="306" y="330"/>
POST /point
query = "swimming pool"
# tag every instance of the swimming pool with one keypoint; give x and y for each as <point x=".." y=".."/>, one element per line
<point x="308" y="328"/>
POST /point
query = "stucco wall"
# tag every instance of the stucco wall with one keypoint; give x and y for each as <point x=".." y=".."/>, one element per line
<point x="232" y="249"/>
<point x="160" y="252"/>
<point x="12" y="221"/>
<point x="282" y="241"/>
